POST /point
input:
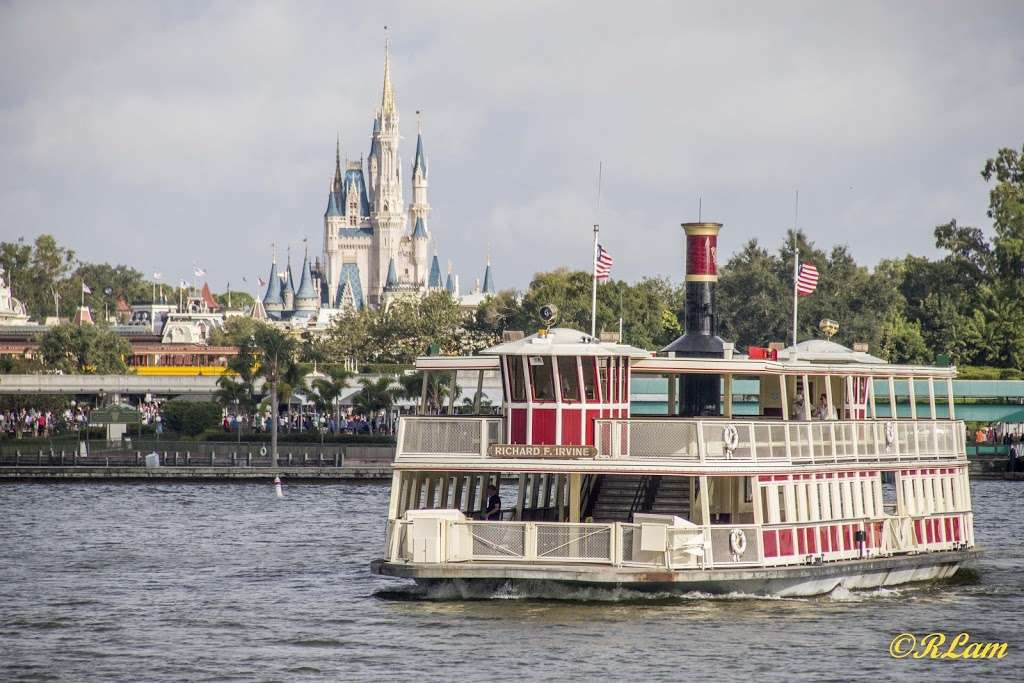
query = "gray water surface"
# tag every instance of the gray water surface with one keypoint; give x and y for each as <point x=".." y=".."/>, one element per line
<point x="197" y="582"/>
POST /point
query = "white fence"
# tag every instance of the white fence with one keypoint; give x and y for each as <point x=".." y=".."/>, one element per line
<point x="665" y="547"/>
<point x="440" y="436"/>
<point x="783" y="443"/>
<point x="711" y="441"/>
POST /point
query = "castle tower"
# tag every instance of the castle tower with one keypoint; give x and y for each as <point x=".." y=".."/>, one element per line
<point x="419" y="208"/>
<point x="388" y="216"/>
<point x="334" y="218"/>
<point x="306" y="298"/>
<point x="288" y="286"/>
<point x="272" y="298"/>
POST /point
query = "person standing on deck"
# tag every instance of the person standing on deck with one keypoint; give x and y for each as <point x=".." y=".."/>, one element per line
<point x="493" y="512"/>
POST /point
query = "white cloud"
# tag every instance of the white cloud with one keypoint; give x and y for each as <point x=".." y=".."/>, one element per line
<point x="142" y="133"/>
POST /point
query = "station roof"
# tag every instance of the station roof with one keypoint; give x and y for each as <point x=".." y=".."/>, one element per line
<point x="563" y="341"/>
<point x="825" y="351"/>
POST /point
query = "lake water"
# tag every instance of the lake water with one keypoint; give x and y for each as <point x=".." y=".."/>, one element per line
<point x="196" y="582"/>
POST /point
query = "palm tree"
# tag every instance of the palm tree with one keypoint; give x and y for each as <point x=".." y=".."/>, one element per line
<point x="376" y="395"/>
<point x="438" y="390"/>
<point x="328" y="391"/>
<point x="237" y="392"/>
<point x="275" y="356"/>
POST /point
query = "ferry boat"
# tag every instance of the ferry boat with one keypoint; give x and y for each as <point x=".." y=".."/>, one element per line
<point x="788" y="501"/>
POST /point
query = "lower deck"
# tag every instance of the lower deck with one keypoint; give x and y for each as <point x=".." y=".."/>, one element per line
<point x="681" y="521"/>
<point x="482" y="579"/>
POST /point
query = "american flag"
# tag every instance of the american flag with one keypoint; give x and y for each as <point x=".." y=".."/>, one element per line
<point x="602" y="264"/>
<point x="807" y="280"/>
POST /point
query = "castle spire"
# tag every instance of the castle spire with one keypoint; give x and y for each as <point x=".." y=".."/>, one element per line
<point x="337" y="164"/>
<point x="420" y="162"/>
<point x="387" y="102"/>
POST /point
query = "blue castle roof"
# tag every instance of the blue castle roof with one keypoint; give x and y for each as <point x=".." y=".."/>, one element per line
<point x="350" y="284"/>
<point x="392" y="280"/>
<point x="420" y="161"/>
<point x="306" y="292"/>
<point x="355" y="176"/>
<point x="488" y="280"/>
<point x="421" y="230"/>
<point x="434" y="279"/>
<point x="273" y="294"/>
<point x="332" y="206"/>
<point x="450" y="284"/>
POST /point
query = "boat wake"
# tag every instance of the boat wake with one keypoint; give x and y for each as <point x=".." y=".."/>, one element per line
<point x="553" y="591"/>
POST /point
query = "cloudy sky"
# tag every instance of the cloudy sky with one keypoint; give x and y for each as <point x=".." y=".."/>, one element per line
<point x="165" y="134"/>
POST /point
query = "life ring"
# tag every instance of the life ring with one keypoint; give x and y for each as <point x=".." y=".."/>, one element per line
<point x="737" y="541"/>
<point x="730" y="438"/>
<point x="890" y="433"/>
<point x="263" y="450"/>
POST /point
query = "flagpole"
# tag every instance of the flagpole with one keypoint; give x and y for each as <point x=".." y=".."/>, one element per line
<point x="593" y="289"/>
<point x="796" y="267"/>
<point x="83" y="292"/>
<point x="593" y="254"/>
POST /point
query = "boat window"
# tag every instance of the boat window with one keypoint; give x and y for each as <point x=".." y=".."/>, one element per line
<point x="569" y="378"/>
<point x="542" y="378"/>
<point x="517" y="390"/>
<point x="589" y="374"/>
<point x="603" y="377"/>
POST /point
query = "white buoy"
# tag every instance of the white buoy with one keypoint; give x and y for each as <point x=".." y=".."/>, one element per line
<point x="277" y="487"/>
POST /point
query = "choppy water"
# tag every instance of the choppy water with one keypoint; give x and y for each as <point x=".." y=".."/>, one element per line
<point x="175" y="582"/>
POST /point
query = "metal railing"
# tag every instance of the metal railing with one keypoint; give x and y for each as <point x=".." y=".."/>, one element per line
<point x="454" y="436"/>
<point x="782" y="443"/>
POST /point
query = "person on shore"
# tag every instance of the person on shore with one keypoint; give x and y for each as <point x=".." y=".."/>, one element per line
<point x="1016" y="452"/>
<point x="493" y="511"/>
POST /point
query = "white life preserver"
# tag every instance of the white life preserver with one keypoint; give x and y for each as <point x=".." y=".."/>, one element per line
<point x="890" y="433"/>
<point x="737" y="541"/>
<point x="263" y="450"/>
<point x="730" y="438"/>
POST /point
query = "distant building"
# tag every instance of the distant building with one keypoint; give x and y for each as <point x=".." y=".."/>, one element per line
<point x="375" y="247"/>
<point x="12" y="311"/>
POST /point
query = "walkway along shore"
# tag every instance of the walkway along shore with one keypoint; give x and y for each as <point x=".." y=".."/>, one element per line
<point x="302" y="463"/>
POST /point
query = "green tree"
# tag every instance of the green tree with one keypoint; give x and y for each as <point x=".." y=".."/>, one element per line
<point x="375" y="396"/>
<point x="275" y="355"/>
<point x="240" y="301"/>
<point x="84" y="350"/>
<point x="191" y="418"/>
<point x="327" y="391"/>
<point x="37" y="272"/>
<point x="122" y="282"/>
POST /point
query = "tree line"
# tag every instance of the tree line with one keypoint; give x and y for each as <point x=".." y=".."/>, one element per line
<point x="964" y="306"/>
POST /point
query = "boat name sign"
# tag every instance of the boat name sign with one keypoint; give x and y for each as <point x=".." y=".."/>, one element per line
<point x="518" y="450"/>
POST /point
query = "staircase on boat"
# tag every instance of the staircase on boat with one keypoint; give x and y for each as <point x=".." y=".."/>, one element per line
<point x="615" y="498"/>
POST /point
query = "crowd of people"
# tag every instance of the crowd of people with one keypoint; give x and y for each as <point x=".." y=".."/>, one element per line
<point x="308" y="422"/>
<point x="28" y="422"/>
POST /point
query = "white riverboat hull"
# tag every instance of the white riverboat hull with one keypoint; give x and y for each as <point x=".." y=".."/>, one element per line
<point x="477" y="579"/>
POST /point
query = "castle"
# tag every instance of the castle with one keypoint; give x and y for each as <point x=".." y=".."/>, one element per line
<point x="375" y="248"/>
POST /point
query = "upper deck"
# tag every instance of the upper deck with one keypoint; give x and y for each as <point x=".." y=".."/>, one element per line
<point x="845" y="427"/>
<point x="664" y="444"/>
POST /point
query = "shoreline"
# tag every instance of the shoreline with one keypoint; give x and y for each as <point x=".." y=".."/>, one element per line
<point x="77" y="474"/>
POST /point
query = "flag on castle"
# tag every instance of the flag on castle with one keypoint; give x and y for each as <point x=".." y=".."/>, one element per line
<point x="85" y="289"/>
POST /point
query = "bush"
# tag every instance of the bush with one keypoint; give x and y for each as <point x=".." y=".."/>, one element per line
<point x="298" y="437"/>
<point x="191" y="418"/>
<point x="986" y="372"/>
